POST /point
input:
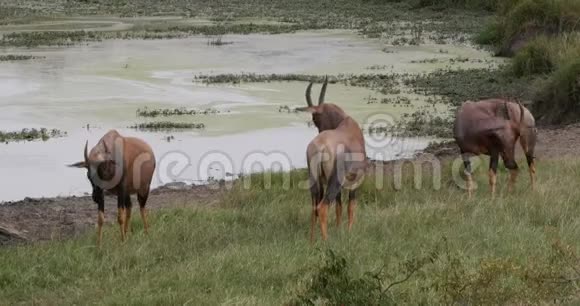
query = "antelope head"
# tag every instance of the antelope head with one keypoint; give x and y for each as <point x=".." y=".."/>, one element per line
<point x="326" y="116"/>
<point x="100" y="166"/>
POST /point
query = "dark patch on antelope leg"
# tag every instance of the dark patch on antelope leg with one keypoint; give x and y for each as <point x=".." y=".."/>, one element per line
<point x="316" y="193"/>
<point x="333" y="189"/>
<point x="468" y="173"/>
<point x="338" y="209"/>
<point x="99" y="198"/>
<point x="532" y="169"/>
<point x="128" y="208"/>
<point x="332" y="192"/>
<point x="493" y="164"/>
<point x="142" y="202"/>
<point x="351" y="208"/>
<point x="514" y="169"/>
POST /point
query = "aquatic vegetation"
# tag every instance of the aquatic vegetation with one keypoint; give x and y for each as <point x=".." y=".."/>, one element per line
<point x="384" y="83"/>
<point x="69" y="38"/>
<point x="379" y="67"/>
<point x="218" y="41"/>
<point x="15" y="57"/>
<point x="426" y="61"/>
<point x="48" y="38"/>
<point x="182" y="111"/>
<point x="30" y="135"/>
<point x="167" y="126"/>
<point x="425" y="122"/>
<point x="281" y="16"/>
<point x="286" y="109"/>
<point x="261" y="78"/>
<point x="457" y="86"/>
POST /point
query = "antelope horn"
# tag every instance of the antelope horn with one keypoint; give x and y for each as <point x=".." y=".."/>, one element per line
<point x="323" y="91"/>
<point x="308" y="97"/>
<point x="87" y="152"/>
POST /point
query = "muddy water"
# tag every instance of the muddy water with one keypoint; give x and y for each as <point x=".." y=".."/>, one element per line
<point x="102" y="85"/>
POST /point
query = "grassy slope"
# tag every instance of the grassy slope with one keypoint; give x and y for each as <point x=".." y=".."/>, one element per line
<point x="253" y="248"/>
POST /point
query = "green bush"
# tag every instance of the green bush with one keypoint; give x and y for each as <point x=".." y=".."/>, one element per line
<point x="490" y="35"/>
<point x="525" y="19"/>
<point x="489" y="5"/>
<point x="558" y="101"/>
<point x="535" y="58"/>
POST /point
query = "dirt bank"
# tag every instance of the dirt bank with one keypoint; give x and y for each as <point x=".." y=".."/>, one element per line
<point x="59" y="218"/>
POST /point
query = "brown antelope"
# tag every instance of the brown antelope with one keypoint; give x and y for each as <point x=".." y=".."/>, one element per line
<point x="121" y="166"/>
<point x="493" y="127"/>
<point x="336" y="159"/>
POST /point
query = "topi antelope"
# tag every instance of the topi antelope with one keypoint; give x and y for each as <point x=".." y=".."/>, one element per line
<point x="493" y="127"/>
<point x="121" y="166"/>
<point x="336" y="159"/>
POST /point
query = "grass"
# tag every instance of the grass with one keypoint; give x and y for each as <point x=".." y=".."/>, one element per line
<point x="252" y="248"/>
<point x="30" y="135"/>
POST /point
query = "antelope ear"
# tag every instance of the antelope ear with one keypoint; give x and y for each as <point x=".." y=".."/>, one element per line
<point x="310" y="109"/>
<point x="80" y="164"/>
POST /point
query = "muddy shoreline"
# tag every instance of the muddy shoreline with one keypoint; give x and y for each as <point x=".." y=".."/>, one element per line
<point x="33" y="220"/>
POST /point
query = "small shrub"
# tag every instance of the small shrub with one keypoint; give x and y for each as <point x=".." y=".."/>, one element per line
<point x="334" y="284"/>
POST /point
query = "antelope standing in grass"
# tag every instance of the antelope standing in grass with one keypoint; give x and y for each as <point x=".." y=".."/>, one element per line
<point x="336" y="159"/>
<point x="121" y="166"/>
<point x="493" y="127"/>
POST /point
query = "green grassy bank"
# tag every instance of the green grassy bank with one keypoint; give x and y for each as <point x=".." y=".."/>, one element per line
<point x="408" y="246"/>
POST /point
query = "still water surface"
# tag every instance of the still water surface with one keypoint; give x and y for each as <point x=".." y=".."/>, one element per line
<point x="103" y="84"/>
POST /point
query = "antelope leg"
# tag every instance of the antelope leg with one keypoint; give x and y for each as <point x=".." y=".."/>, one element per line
<point x="323" y="215"/>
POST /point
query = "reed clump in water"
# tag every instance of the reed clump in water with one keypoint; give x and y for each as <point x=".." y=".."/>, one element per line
<point x="16" y="57"/>
<point x="30" y="135"/>
<point x="218" y="41"/>
<point x="182" y="111"/>
<point x="167" y="126"/>
<point x="70" y="38"/>
<point x="286" y="109"/>
<point x="384" y="83"/>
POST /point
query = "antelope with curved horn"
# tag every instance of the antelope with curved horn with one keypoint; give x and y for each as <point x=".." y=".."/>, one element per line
<point x="493" y="127"/>
<point x="336" y="160"/>
<point x="121" y="166"/>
